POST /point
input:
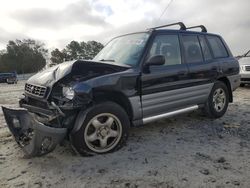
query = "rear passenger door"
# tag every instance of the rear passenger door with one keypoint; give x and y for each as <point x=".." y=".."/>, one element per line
<point x="203" y="70"/>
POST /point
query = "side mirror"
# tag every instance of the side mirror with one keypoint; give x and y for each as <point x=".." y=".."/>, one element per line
<point x="156" y="60"/>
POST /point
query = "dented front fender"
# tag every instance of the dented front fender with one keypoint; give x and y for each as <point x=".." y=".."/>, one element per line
<point x="32" y="136"/>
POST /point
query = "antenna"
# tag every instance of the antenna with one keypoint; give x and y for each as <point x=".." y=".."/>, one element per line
<point x="165" y="10"/>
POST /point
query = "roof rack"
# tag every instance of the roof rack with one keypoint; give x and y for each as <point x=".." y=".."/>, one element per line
<point x="203" y="28"/>
<point x="182" y="26"/>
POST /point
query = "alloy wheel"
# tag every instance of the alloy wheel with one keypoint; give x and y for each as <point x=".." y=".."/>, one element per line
<point x="103" y="132"/>
<point x="219" y="99"/>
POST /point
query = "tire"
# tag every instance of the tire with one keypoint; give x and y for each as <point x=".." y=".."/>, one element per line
<point x="216" y="107"/>
<point x="98" y="128"/>
<point x="242" y="85"/>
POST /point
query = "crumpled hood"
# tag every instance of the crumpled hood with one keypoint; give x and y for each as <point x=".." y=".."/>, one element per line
<point x="80" y="68"/>
<point x="51" y="75"/>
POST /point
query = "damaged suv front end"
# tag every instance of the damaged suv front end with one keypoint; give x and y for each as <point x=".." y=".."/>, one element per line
<point x="51" y="102"/>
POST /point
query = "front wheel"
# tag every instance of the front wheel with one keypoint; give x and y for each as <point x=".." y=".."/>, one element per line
<point x="217" y="103"/>
<point x="105" y="129"/>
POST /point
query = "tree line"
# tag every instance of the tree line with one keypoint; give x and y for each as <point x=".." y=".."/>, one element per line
<point x="28" y="56"/>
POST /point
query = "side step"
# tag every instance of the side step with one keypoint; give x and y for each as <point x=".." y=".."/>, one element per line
<point x="169" y="114"/>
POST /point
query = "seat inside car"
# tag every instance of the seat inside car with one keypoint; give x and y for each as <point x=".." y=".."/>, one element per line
<point x="171" y="54"/>
<point x="194" y="53"/>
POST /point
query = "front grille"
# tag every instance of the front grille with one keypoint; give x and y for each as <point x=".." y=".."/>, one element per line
<point x="247" y="68"/>
<point x="38" y="91"/>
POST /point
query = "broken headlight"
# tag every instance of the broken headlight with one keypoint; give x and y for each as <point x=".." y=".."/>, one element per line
<point x="68" y="92"/>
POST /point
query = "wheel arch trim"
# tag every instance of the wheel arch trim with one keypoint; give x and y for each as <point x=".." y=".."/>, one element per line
<point x="228" y="81"/>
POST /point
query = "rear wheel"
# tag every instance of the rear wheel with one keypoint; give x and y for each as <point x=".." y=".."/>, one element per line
<point x="105" y="129"/>
<point x="218" y="100"/>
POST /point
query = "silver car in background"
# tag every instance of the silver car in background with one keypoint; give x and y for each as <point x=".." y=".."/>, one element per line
<point x="245" y="71"/>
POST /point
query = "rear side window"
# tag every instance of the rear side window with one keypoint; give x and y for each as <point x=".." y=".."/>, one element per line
<point x="205" y="49"/>
<point x="217" y="46"/>
<point x="192" y="49"/>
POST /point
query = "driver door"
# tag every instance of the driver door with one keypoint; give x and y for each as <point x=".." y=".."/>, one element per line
<point x="163" y="86"/>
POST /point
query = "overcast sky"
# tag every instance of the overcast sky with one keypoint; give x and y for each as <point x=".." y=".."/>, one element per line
<point x="57" y="22"/>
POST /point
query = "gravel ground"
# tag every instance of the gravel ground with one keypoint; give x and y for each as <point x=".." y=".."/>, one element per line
<point x="185" y="151"/>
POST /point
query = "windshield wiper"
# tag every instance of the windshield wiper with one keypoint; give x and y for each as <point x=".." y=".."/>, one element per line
<point x="111" y="60"/>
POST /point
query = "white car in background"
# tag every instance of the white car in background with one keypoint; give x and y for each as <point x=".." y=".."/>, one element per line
<point x="245" y="71"/>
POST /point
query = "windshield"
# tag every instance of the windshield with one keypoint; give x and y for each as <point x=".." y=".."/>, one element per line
<point x="124" y="50"/>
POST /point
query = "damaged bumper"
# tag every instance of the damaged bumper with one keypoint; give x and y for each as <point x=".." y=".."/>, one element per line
<point x="32" y="136"/>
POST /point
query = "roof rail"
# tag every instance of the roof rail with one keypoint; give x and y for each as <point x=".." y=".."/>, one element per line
<point x="182" y="26"/>
<point x="203" y="28"/>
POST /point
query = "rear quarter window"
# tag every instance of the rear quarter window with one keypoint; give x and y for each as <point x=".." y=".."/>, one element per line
<point x="217" y="46"/>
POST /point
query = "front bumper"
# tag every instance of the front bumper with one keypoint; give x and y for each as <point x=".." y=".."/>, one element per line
<point x="32" y="136"/>
<point x="245" y="78"/>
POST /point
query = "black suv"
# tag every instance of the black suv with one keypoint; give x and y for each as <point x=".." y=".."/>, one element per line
<point x="136" y="79"/>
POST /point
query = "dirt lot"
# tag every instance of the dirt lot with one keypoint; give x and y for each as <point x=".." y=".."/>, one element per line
<point x="185" y="151"/>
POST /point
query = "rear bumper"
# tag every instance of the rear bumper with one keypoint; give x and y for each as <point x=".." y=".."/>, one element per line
<point x="234" y="81"/>
<point x="32" y="136"/>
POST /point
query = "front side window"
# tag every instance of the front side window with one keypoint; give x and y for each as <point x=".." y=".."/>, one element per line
<point x="124" y="50"/>
<point x="192" y="49"/>
<point x="217" y="46"/>
<point x="168" y="46"/>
